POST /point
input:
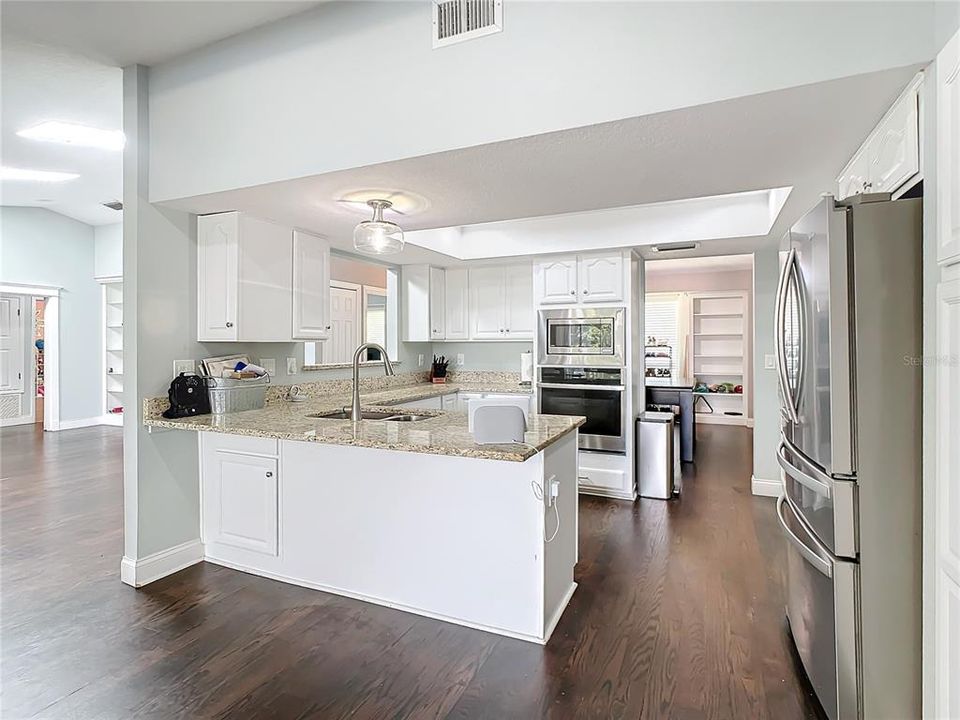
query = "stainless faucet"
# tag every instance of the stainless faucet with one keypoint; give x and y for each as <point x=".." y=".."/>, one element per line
<point x="387" y="367"/>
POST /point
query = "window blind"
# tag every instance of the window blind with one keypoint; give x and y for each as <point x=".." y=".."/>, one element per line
<point x="662" y="318"/>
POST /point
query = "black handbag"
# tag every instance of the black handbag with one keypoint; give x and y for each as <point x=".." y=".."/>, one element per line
<point x="188" y="396"/>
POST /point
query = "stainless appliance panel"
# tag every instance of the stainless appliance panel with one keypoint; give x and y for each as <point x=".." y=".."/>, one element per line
<point x="827" y="505"/>
<point x="598" y="394"/>
<point x="582" y="337"/>
<point x="814" y="338"/>
<point x="822" y="601"/>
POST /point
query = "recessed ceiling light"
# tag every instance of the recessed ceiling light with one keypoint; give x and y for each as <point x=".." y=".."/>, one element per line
<point x="9" y="173"/>
<point x="73" y="134"/>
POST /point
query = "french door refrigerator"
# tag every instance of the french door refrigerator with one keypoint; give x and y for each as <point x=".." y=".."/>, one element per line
<point x="848" y="331"/>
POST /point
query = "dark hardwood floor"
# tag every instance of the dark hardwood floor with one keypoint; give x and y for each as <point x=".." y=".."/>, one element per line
<point x="679" y="614"/>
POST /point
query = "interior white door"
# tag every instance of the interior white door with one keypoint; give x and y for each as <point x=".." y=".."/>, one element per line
<point x="486" y="303"/>
<point x="345" y="325"/>
<point x="437" y="304"/>
<point x="601" y="278"/>
<point x="518" y="317"/>
<point x="218" y="267"/>
<point x="311" y="278"/>
<point x="12" y="349"/>
<point x="948" y="152"/>
<point x="456" y="313"/>
<point x="555" y="281"/>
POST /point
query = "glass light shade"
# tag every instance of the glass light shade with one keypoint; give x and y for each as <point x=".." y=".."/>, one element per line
<point x="378" y="236"/>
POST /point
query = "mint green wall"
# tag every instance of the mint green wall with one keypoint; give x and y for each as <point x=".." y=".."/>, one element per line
<point x="766" y="403"/>
<point x="41" y="247"/>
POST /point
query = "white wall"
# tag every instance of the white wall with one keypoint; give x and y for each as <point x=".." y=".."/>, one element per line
<point x="358" y="272"/>
<point x="41" y="247"/>
<point x="766" y="404"/>
<point x="108" y="250"/>
<point x="283" y="92"/>
<point x="503" y="356"/>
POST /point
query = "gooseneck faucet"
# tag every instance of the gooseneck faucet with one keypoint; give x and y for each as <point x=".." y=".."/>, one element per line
<point x="387" y="368"/>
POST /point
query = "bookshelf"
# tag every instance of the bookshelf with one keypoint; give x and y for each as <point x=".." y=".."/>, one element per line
<point x="112" y="315"/>
<point x="719" y="355"/>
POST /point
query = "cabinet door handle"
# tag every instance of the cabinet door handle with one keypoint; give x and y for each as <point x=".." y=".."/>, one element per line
<point x="573" y="292"/>
<point x="229" y="324"/>
<point x="269" y="473"/>
<point x="586" y="292"/>
<point x="328" y="327"/>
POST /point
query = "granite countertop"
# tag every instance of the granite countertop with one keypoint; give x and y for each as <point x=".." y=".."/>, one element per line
<point x="442" y="433"/>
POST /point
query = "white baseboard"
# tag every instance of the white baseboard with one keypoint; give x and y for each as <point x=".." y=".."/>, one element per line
<point x="160" y="564"/>
<point x="81" y="423"/>
<point x="115" y="419"/>
<point x="765" y="488"/>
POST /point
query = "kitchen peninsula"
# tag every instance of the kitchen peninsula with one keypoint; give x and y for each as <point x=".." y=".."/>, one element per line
<point x="412" y="515"/>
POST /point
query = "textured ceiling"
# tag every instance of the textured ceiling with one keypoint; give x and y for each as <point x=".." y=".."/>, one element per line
<point x="799" y="137"/>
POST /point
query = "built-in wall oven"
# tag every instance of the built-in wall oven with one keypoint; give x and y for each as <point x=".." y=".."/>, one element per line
<point x="584" y="337"/>
<point x="597" y="393"/>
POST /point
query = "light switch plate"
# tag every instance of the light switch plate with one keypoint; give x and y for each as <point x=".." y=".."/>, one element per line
<point x="769" y="362"/>
<point x="420" y="360"/>
<point x="184" y="366"/>
<point x="459" y="359"/>
<point x="269" y="364"/>
<point x="291" y="366"/>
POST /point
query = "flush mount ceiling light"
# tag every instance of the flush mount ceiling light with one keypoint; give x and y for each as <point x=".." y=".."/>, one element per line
<point x="10" y="173"/>
<point x="73" y="134"/>
<point x="378" y="236"/>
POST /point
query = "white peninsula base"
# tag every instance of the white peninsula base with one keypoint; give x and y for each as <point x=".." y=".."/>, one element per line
<point x="453" y="538"/>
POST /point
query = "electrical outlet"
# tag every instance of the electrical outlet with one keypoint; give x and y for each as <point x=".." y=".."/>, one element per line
<point x="459" y="359"/>
<point x="269" y="364"/>
<point x="420" y="360"/>
<point x="184" y="366"/>
<point x="291" y="366"/>
<point x="769" y="362"/>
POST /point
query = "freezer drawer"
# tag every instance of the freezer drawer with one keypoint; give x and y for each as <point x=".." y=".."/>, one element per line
<point x="823" y="609"/>
<point x="828" y="505"/>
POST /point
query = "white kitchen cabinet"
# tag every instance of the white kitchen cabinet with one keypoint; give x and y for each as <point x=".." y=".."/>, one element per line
<point x="501" y="303"/>
<point x="601" y="278"/>
<point x="438" y="305"/>
<point x="948" y="153"/>
<point x="311" y="283"/>
<point x="605" y="474"/>
<point x="457" y="304"/>
<point x="240" y="489"/>
<point x="586" y="278"/>
<point x="518" y="315"/>
<point x="890" y="157"/>
<point x="422" y="303"/>
<point x="244" y="276"/>
<point x="486" y="303"/>
<point x="555" y="281"/>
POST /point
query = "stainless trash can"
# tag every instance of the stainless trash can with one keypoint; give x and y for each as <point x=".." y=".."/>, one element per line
<point x="656" y="471"/>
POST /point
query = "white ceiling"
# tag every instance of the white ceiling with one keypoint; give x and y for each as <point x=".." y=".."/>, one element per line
<point x="713" y="263"/>
<point x="124" y="32"/>
<point x="800" y="137"/>
<point x="41" y="83"/>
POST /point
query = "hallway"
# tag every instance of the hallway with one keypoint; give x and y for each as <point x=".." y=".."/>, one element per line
<point x="679" y="614"/>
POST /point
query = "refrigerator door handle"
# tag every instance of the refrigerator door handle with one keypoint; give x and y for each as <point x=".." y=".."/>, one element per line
<point x="819" y="485"/>
<point x="801" y="336"/>
<point x="820" y="557"/>
<point x="779" y="332"/>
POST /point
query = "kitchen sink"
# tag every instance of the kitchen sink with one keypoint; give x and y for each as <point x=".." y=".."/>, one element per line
<point x="406" y="418"/>
<point x="345" y="415"/>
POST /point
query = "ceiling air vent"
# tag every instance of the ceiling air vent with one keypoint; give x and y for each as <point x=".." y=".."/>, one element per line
<point x="460" y="20"/>
<point x="115" y="205"/>
<point x="674" y="247"/>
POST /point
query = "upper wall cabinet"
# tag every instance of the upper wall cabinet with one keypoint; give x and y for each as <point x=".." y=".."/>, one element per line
<point x="438" y="305"/>
<point x="245" y="281"/>
<point x="592" y="278"/>
<point x="890" y="157"/>
<point x="311" y="287"/>
<point x="422" y="292"/>
<point x="501" y="303"/>
<point x="457" y="299"/>
<point x="948" y="152"/>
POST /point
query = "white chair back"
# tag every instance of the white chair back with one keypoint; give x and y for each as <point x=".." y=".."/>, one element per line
<point x="498" y="423"/>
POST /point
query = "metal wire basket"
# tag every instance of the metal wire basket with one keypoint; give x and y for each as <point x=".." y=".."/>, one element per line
<point x="229" y="395"/>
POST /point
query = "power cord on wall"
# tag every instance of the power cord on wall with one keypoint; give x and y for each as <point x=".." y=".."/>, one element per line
<point x="538" y="493"/>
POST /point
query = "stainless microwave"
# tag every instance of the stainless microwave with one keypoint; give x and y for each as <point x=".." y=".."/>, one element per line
<point x="582" y="336"/>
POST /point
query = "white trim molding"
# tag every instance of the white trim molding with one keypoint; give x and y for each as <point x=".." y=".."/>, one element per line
<point x="80" y="423"/>
<point x="35" y="290"/>
<point x="144" y="571"/>
<point x="765" y="488"/>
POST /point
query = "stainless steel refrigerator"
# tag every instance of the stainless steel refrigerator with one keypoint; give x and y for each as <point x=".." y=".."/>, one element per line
<point x="848" y="329"/>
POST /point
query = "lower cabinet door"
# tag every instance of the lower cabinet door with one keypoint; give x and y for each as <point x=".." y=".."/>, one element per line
<point x="241" y="501"/>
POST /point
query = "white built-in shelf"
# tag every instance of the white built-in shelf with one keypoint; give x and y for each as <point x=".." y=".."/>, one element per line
<point x="720" y="394"/>
<point x="718" y="315"/>
<point x="112" y="349"/>
<point x="720" y="347"/>
<point x="718" y="334"/>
